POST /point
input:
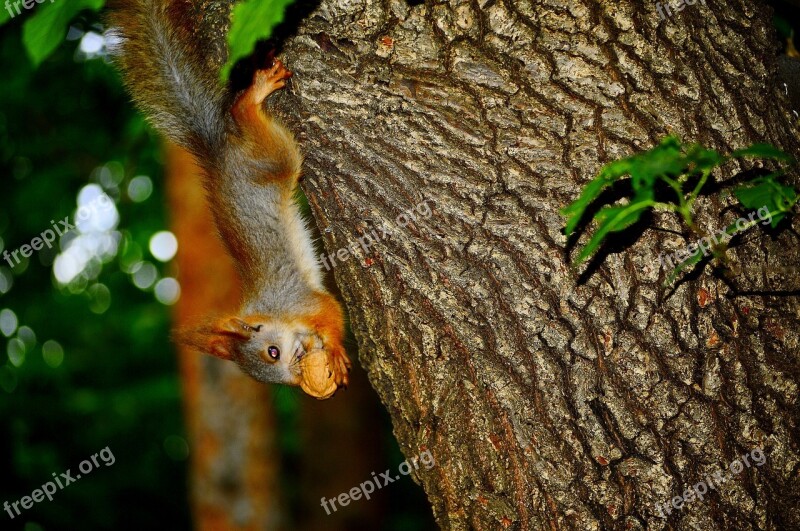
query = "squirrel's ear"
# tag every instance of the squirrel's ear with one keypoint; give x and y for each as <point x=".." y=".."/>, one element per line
<point x="217" y="339"/>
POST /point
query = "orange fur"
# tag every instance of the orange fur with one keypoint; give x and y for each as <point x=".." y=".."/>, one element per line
<point x="261" y="132"/>
<point x="328" y="322"/>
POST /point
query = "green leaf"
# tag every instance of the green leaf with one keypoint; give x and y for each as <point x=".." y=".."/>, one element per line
<point x="47" y="27"/>
<point x="612" y="219"/>
<point x="754" y="196"/>
<point x="252" y="21"/>
<point x="664" y="159"/>
<point x="768" y="192"/>
<point x="674" y="164"/>
<point x="703" y="159"/>
<point x="644" y="168"/>
<point x="608" y="175"/>
<point x="762" y="151"/>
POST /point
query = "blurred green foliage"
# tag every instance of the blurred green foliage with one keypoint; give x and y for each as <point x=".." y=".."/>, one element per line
<point x="107" y="375"/>
<point x="44" y="29"/>
<point x="786" y="21"/>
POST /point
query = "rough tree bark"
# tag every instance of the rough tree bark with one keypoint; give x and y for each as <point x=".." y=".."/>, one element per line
<point x="546" y="402"/>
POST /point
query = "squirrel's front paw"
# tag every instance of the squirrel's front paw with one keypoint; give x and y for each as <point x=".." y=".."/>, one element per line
<point x="340" y="365"/>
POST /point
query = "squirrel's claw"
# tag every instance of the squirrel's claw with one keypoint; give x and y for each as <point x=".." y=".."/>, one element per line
<point x="340" y="365"/>
<point x="268" y="81"/>
<point x="265" y="82"/>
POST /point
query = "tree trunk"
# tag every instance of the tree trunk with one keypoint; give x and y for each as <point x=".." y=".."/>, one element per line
<point x="548" y="402"/>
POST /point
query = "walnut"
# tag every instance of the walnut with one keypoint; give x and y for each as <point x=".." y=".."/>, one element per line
<point x="317" y="378"/>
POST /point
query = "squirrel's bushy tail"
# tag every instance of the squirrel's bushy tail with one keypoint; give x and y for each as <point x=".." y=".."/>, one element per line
<point x="174" y="83"/>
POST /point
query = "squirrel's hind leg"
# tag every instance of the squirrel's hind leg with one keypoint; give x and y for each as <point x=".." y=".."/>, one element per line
<point x="265" y="82"/>
<point x="267" y="139"/>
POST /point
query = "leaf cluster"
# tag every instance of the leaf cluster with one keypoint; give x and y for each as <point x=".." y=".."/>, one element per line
<point x="684" y="170"/>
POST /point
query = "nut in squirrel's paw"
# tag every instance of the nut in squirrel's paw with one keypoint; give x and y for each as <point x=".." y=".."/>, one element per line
<point x="317" y="378"/>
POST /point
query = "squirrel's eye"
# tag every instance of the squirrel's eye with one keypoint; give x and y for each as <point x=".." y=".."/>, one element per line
<point x="274" y="352"/>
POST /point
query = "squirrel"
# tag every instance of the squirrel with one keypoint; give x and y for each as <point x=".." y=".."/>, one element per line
<point x="251" y="166"/>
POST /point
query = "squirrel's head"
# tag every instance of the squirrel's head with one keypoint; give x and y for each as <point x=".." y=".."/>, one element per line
<point x="267" y="349"/>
